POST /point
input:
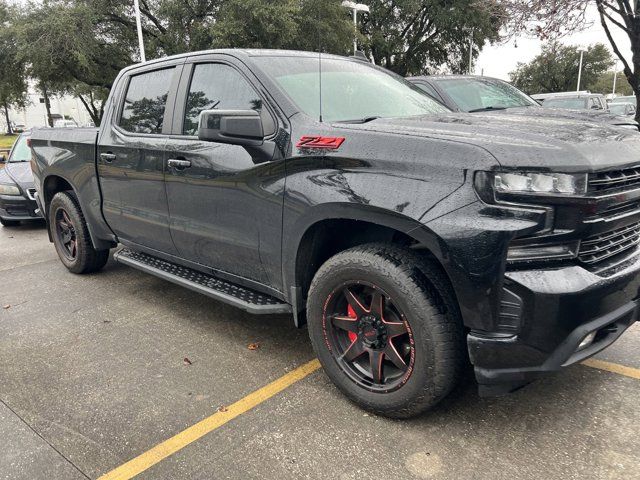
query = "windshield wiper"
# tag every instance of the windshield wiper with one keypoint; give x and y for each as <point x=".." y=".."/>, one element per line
<point x="486" y="109"/>
<point x="360" y="120"/>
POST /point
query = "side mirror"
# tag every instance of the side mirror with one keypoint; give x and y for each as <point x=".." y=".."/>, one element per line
<point x="236" y="127"/>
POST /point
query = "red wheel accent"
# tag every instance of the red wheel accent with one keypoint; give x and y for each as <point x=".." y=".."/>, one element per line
<point x="351" y="313"/>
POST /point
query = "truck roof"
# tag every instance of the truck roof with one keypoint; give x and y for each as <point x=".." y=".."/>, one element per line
<point x="248" y="52"/>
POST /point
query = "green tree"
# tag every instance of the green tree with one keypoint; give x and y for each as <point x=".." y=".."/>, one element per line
<point x="556" y="69"/>
<point x="13" y="80"/>
<point x="79" y="46"/>
<point x="413" y="37"/>
<point x="288" y="24"/>
<point x="604" y="84"/>
<point x="66" y="49"/>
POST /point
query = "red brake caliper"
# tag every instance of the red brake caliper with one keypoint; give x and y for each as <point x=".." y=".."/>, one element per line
<point x="351" y="313"/>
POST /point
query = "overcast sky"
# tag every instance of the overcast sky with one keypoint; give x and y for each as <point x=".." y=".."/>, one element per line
<point x="499" y="60"/>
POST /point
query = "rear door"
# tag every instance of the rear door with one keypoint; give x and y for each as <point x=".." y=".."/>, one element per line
<point x="226" y="207"/>
<point x="131" y="157"/>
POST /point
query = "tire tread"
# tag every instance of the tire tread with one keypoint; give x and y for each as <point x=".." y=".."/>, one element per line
<point x="425" y="283"/>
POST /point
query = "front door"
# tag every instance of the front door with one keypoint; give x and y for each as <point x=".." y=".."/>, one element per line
<point x="131" y="162"/>
<point x="225" y="207"/>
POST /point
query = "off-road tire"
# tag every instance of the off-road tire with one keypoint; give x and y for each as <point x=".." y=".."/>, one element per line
<point x="87" y="258"/>
<point x="423" y="292"/>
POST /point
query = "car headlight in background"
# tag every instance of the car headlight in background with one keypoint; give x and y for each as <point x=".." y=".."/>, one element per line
<point x="6" y="189"/>
<point x="546" y="183"/>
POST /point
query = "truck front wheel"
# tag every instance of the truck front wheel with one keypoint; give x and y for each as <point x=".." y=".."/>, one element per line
<point x="71" y="236"/>
<point x="386" y="329"/>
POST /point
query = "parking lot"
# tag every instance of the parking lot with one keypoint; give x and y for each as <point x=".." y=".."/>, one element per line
<point x="98" y="370"/>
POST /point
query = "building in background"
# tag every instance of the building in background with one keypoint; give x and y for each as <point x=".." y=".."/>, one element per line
<point x="35" y="113"/>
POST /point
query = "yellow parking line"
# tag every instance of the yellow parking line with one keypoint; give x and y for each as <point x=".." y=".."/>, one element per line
<point x="178" y="442"/>
<point x="613" y="368"/>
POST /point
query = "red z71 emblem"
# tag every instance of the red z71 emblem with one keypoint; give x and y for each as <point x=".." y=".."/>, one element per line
<point x="328" y="143"/>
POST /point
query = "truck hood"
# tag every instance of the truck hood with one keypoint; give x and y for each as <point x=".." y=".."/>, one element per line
<point x="523" y="141"/>
<point x="20" y="172"/>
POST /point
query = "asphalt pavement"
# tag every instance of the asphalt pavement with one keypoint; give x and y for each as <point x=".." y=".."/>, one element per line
<point x="100" y="370"/>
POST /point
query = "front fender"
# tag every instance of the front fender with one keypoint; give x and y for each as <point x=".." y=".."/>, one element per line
<point x="295" y="234"/>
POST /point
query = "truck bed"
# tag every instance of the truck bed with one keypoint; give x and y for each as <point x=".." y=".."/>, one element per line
<point x="69" y="155"/>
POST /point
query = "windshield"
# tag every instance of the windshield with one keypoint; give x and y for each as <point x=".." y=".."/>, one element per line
<point x="484" y="94"/>
<point x="621" y="108"/>
<point x="350" y="90"/>
<point x="21" y="151"/>
<point x="624" y="100"/>
<point x="572" y="103"/>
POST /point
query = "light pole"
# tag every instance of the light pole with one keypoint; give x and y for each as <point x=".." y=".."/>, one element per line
<point x="615" y="80"/>
<point x="136" y="7"/>
<point x="356" y="7"/>
<point x="582" y="51"/>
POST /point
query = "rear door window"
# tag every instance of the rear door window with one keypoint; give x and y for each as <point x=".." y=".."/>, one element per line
<point x="145" y="102"/>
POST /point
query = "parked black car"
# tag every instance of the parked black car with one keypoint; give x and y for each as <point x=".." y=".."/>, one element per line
<point x="412" y="239"/>
<point x="623" y="109"/>
<point x="470" y="93"/>
<point x="17" y="201"/>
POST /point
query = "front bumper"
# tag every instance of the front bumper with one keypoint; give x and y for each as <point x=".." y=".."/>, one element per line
<point x="13" y="207"/>
<point x="560" y="307"/>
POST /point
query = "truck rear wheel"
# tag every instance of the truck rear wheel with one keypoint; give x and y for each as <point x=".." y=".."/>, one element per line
<point x="71" y="236"/>
<point x="386" y="329"/>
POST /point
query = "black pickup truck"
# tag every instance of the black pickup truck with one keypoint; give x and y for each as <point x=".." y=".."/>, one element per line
<point x="411" y="239"/>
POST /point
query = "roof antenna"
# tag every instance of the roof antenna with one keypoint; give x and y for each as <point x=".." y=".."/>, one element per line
<point x="319" y="63"/>
<point x="320" y="81"/>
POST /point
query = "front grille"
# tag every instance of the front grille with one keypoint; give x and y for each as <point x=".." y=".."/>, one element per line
<point x="614" y="180"/>
<point x="616" y="210"/>
<point x="599" y="247"/>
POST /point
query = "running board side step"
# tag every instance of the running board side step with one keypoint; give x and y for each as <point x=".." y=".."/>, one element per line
<point x="227" y="292"/>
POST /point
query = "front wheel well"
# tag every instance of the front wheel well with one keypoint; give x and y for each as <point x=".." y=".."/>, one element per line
<point x="325" y="239"/>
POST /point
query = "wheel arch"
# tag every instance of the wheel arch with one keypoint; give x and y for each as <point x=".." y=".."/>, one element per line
<point x="55" y="183"/>
<point x="322" y="235"/>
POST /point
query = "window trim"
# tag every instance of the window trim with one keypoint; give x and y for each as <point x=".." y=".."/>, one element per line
<point x="169" y="106"/>
<point x="437" y="97"/>
<point x="179" y="108"/>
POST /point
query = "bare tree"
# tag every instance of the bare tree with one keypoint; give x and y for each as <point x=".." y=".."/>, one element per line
<point x="552" y="19"/>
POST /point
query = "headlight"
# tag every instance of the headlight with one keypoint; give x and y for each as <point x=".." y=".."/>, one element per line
<point x="6" y="189"/>
<point x="550" y="183"/>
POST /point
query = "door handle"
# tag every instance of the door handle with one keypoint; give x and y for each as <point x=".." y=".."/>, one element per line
<point x="178" y="164"/>
<point x="107" y="157"/>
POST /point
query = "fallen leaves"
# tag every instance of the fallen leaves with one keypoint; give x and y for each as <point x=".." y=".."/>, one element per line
<point x="187" y="362"/>
<point x="253" y="346"/>
<point x="6" y="307"/>
<point x="222" y="409"/>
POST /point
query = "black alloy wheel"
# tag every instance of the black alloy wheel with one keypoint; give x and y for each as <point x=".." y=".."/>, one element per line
<point x="369" y="337"/>
<point x="66" y="233"/>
